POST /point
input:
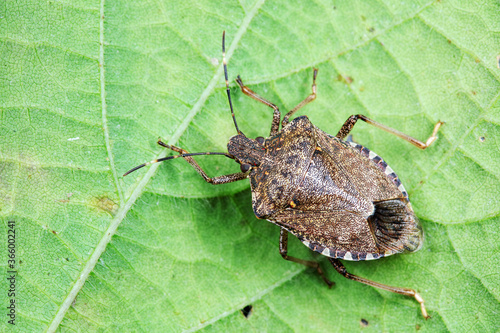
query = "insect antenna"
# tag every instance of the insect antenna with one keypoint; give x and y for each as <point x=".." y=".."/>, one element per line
<point x="224" y="62"/>
<point x="176" y="156"/>
<point x="205" y="153"/>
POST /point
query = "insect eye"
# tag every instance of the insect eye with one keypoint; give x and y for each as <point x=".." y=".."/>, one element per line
<point x="245" y="167"/>
<point x="260" y="140"/>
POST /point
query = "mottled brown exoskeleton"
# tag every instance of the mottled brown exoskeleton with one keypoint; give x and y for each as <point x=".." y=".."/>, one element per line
<point x="339" y="198"/>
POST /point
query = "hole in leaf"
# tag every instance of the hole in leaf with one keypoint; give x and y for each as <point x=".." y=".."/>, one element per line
<point x="247" y="311"/>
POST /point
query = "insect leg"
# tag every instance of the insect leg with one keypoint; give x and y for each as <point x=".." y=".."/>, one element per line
<point x="307" y="100"/>
<point x="276" y="113"/>
<point x="215" y="180"/>
<point x="187" y="156"/>
<point x="313" y="264"/>
<point x="403" y="291"/>
<point x="349" y="124"/>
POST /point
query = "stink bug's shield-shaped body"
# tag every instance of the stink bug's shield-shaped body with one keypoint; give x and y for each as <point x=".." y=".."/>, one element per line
<point x="339" y="198"/>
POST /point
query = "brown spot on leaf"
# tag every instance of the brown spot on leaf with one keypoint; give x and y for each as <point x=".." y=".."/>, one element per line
<point x="105" y="204"/>
<point x="345" y="79"/>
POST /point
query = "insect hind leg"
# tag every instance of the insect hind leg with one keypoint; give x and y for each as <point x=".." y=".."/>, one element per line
<point x="403" y="291"/>
<point x="308" y="263"/>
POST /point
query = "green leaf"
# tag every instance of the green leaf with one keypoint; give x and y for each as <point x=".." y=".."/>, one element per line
<point x="86" y="89"/>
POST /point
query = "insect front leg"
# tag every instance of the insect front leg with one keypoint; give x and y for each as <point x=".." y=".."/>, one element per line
<point x="403" y="291"/>
<point x="349" y="124"/>
<point x="307" y="100"/>
<point x="215" y="180"/>
<point x="313" y="264"/>
<point x="276" y="113"/>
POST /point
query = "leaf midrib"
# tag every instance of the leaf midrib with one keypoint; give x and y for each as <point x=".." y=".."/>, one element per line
<point x="123" y="210"/>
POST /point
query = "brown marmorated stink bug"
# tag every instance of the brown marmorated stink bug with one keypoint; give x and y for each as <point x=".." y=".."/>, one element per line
<point x="339" y="198"/>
